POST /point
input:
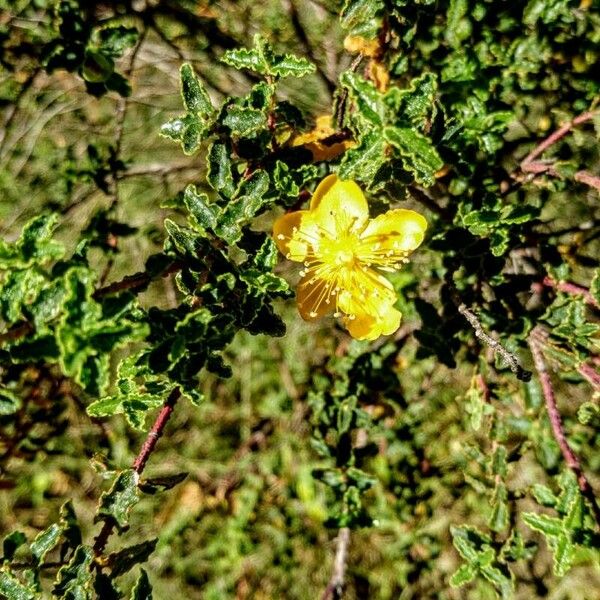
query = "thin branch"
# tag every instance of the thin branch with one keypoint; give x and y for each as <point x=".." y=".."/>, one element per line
<point x="536" y="341"/>
<point x="556" y="136"/>
<point x="135" y="282"/>
<point x="140" y="461"/>
<point x="573" y="289"/>
<point x="511" y="360"/>
<point x="335" y="587"/>
<point x="340" y="113"/>
<point x="589" y="373"/>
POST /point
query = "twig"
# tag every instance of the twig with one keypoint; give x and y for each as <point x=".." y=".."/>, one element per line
<point x="340" y="113"/>
<point x="135" y="281"/>
<point x="140" y="461"/>
<point x="556" y="136"/>
<point x="532" y="166"/>
<point x="335" y="587"/>
<point x="589" y="373"/>
<point x="536" y="340"/>
<point x="511" y="360"/>
<point x="573" y="289"/>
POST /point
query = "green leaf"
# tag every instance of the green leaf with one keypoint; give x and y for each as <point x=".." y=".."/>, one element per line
<point x="345" y="413"/>
<point x="219" y="169"/>
<point x="11" y="543"/>
<point x="142" y="590"/>
<point x="74" y="581"/>
<point x="364" y="161"/>
<point x="369" y="101"/>
<point x="9" y="402"/>
<point x="359" y="16"/>
<point x="118" y="501"/>
<point x="544" y="495"/>
<point x="35" y="246"/>
<point x="203" y="213"/>
<point x="262" y="59"/>
<point x="417" y="152"/>
<point x="45" y="541"/>
<point x="500" y="513"/>
<point x="105" y="407"/>
<point x="244" y="121"/>
<point x="238" y="212"/>
<point x="463" y="575"/>
<point x="549" y="526"/>
<point x="195" y="98"/>
<point x="12" y="589"/>
<point x="122" y="561"/>
<point x="563" y="554"/>
<point x="414" y="104"/>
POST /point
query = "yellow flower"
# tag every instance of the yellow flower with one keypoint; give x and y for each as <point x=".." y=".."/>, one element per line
<point x="344" y="254"/>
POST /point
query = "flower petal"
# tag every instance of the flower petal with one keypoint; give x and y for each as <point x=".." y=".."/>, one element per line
<point x="285" y="231"/>
<point x="369" y="327"/>
<point x="400" y="229"/>
<point x="339" y="206"/>
<point x="312" y="296"/>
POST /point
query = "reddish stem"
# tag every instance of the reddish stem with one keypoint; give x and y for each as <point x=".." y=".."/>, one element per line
<point x="156" y="432"/>
<point x="556" y="136"/>
<point x="590" y="374"/>
<point x="536" y="341"/>
<point x="573" y="289"/>
<point x="140" y="461"/>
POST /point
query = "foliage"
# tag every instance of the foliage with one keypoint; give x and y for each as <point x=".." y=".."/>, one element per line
<point x="136" y="282"/>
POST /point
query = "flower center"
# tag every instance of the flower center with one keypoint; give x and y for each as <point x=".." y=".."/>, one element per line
<point x="345" y="256"/>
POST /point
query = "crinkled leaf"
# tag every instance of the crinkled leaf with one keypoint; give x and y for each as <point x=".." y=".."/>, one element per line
<point x="219" y="173"/>
<point x="244" y="121"/>
<point x="45" y="541"/>
<point x="195" y="98"/>
<point x="417" y="152"/>
<point x="203" y="212"/>
<point x="75" y="580"/>
<point x="262" y="59"/>
<point x="118" y="501"/>
<point x="363" y="162"/>
<point x="12" y="589"/>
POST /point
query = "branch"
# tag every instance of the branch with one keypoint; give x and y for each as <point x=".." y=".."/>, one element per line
<point x="335" y="586"/>
<point x="511" y="360"/>
<point x="531" y="165"/>
<point x="536" y="340"/>
<point x="140" y="461"/>
<point x="135" y="281"/>
<point x="556" y="136"/>
<point x="573" y="289"/>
